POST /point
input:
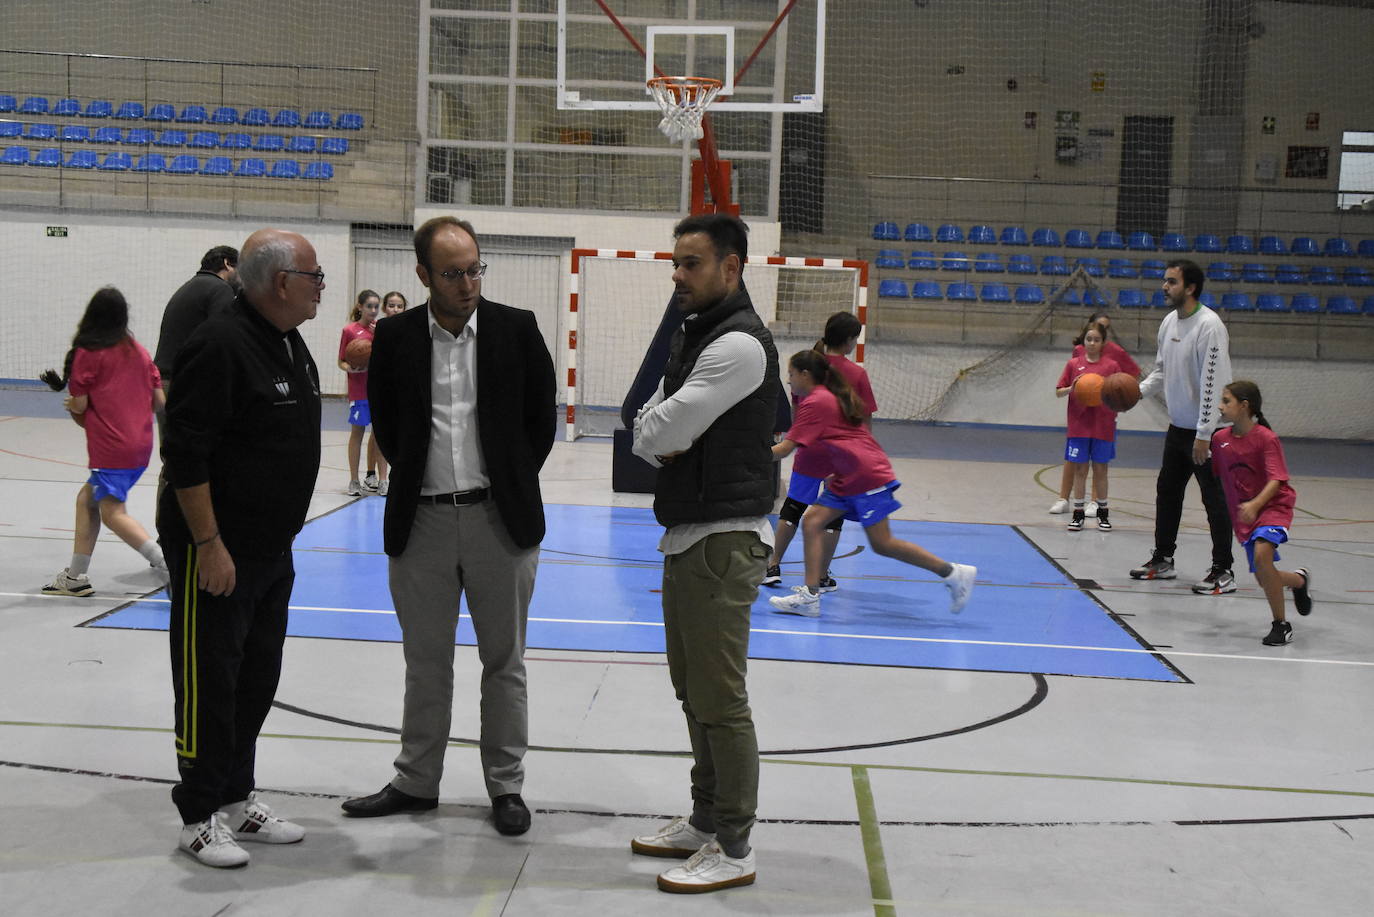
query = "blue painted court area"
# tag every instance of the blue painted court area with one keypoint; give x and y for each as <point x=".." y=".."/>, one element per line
<point x="600" y="576"/>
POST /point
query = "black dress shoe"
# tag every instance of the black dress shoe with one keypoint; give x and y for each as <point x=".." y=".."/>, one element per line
<point x="388" y="802"/>
<point x="510" y="814"/>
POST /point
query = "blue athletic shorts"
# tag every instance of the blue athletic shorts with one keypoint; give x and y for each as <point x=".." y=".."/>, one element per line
<point x="1080" y="449"/>
<point x="867" y="508"/>
<point x="113" y="482"/>
<point x="1275" y="534"/>
<point x="803" y="488"/>
<point x="359" y="414"/>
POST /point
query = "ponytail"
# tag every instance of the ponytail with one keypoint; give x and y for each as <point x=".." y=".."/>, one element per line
<point x="809" y="361"/>
<point x="105" y="323"/>
<point x="1247" y="391"/>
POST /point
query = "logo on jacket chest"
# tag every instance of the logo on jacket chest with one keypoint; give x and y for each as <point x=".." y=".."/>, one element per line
<point x="283" y="387"/>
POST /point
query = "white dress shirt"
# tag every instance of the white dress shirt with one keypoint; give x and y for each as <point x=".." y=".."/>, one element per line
<point x="455" y="455"/>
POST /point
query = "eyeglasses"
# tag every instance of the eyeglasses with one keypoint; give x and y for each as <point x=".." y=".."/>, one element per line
<point x="473" y="273"/>
<point x="316" y="276"/>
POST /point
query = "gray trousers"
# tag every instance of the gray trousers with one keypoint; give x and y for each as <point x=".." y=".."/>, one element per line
<point x="455" y="551"/>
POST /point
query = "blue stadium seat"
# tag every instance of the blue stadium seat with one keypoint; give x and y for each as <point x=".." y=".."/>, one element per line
<point x="1206" y="242"/>
<point x="139" y="136"/>
<point x="8" y="103"/>
<point x="1302" y="245"/>
<point x="988" y="263"/>
<point x="1240" y="245"/>
<point x="1358" y="277"/>
<point x="287" y="117"/>
<point x="962" y="292"/>
<point x="1121" y="267"/>
<point x="48" y="159"/>
<point x="34" y="105"/>
<point x="151" y="162"/>
<point x="1030" y="294"/>
<point x="1369" y="305"/>
<point x="1152" y="269"/>
<point x="349" y="121"/>
<point x="130" y="111"/>
<point x="1289" y="273"/>
<point x="1091" y="266"/>
<point x="183" y="165"/>
<point x="217" y="165"/>
<point x="888" y="257"/>
<point x="1221" y="271"/>
<point x="255" y="117"/>
<point x="915" y="232"/>
<point x="1175" y="242"/>
<point x="269" y="143"/>
<point x="1342" y="305"/>
<point x="995" y="292"/>
<point x="1366" y="248"/>
<point x="1093" y="297"/>
<point x="1069" y="297"/>
<point x="225" y="114"/>
<point x="319" y="171"/>
<point x="922" y="261"/>
<point x="301" y="143"/>
<point x="1014" y="235"/>
<point x="1140" y="242"/>
<point x="114" y="162"/>
<point x="893" y="289"/>
<point x="317" y="120"/>
<point x="1158" y="300"/>
<point x="926" y="289"/>
<point x="15" y="156"/>
<point x="1306" y="302"/>
<point x="1110" y="238"/>
<point x="982" y="235"/>
<point x="1054" y="265"/>
<point x="1237" y="302"/>
<point x="1337" y="247"/>
<point x="1078" y="238"/>
<point x="161" y="112"/>
<point x="235" y="141"/>
<point x="11" y="129"/>
<point x="203" y="140"/>
<point x="66" y="108"/>
<point x="337" y="146"/>
<point x="81" y="159"/>
<point x="1130" y="299"/>
<point x="1271" y="302"/>
<point x="193" y="114"/>
<point x="108" y="135"/>
<point x="41" y="132"/>
<point x="75" y="133"/>
<point x="251" y="168"/>
<point x="954" y="261"/>
<point x="1272" y="245"/>
<point x="1208" y="300"/>
<point x="948" y="232"/>
<point x="98" y="108"/>
<point x="1256" y="273"/>
<point x="885" y="231"/>
<point x="1322" y="276"/>
<point x="170" y="138"/>
<point x="1046" y="238"/>
<point x="1020" y="264"/>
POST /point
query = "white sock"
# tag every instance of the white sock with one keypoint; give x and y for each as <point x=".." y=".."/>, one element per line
<point x="151" y="553"/>
<point x="79" y="565"/>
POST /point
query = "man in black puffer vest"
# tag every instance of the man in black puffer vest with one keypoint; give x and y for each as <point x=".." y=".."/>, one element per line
<point x="708" y="429"/>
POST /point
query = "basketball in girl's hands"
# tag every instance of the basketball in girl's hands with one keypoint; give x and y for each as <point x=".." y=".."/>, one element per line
<point x="1120" y="392"/>
<point x="1088" y="390"/>
<point x="358" y="353"/>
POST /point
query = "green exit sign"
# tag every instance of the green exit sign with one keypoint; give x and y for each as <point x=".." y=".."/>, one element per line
<point x="57" y="232"/>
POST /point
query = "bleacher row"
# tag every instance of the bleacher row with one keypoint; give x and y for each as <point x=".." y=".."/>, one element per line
<point x="190" y="114"/>
<point x="143" y="136"/>
<point x="183" y="164"/>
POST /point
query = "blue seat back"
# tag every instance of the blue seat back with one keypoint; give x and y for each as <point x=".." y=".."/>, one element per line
<point x="42" y="132"/>
<point x="34" y="105"/>
<point x="889" y="258"/>
<point x="8" y="103"/>
<point x="1369" y="305"/>
<point x="1130" y="298"/>
<point x="954" y="261"/>
<point x="926" y="289"/>
<point x="1140" y="242"/>
<point x="1272" y="245"/>
<point x="982" y="235"/>
<point x="1110" y="238"/>
<point x="922" y="261"/>
<point x="1256" y="273"/>
<point x="301" y="143"/>
<point x="1366" y="248"/>
<point x="1237" y="302"/>
<point x="1303" y="245"/>
<point x="961" y="291"/>
<point x="81" y="159"/>
<point x="1357" y="277"/>
<point x="892" y="288"/>
<point x="269" y="143"/>
<point x="170" y="138"/>
<point x="235" y="141"/>
<point x="116" y="162"/>
<point x="1078" y="238"/>
<point x="1306" y="302"/>
<point x="319" y="171"/>
<point x="337" y="146"/>
<point x="1069" y="297"/>
<point x="193" y="114"/>
<point x="948" y="232"/>
<point x="1046" y="238"/>
<point x="1175" y="242"/>
<point x="287" y="117"/>
<point x="318" y="120"/>
<point x="1121" y="267"/>
<point x="1152" y="269"/>
<point x="915" y="232"/>
<point x="184" y="164"/>
<point x="1342" y="305"/>
<point x="995" y="292"/>
<point x="1020" y="264"/>
<point x="217" y="165"/>
<point x="1338" y="248"/>
<point x="67" y="108"/>
<point x="1093" y="297"/>
<point x="256" y="117"/>
<point x="1326" y="276"/>
<point x="1289" y="273"/>
<point x="1208" y="300"/>
<point x="285" y="168"/>
<point x="98" y="108"/>
<point x="11" y="129"/>
<point x="150" y="162"/>
<point x="48" y="159"/>
<point x="988" y="263"/>
<point x="1240" y="245"/>
<point x="225" y="114"/>
<point x="1091" y="266"/>
<point x="1029" y="293"/>
<point x="1014" y="235"/>
<point x="1159" y="300"/>
<point x="130" y="111"/>
<point x="75" y="133"/>
<point x="251" y="168"/>
<point x="207" y="140"/>
<point x="1271" y="302"/>
<point x="348" y="121"/>
<point x="139" y="136"/>
<point x="885" y="231"/>
<point x="15" y="156"/>
<point x="161" y="112"/>
<point x="1054" y="265"/>
<point x="108" y="135"/>
<point x="1220" y="270"/>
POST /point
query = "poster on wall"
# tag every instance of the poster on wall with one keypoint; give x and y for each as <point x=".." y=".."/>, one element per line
<point x="1307" y="161"/>
<point x="1267" y="124"/>
<point x="1066" y="136"/>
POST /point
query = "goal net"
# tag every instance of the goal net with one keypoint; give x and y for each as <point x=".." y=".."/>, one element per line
<point x="617" y="300"/>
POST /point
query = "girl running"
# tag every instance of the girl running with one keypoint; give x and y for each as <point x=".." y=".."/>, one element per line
<point x="1092" y="430"/>
<point x="113" y="389"/>
<point x="362" y="321"/>
<point x="1248" y="458"/>
<point x="859" y="486"/>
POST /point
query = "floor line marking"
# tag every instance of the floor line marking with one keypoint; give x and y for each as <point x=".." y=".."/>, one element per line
<point x="879" y="885"/>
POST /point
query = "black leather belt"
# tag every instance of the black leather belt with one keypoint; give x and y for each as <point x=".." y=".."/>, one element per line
<point x="458" y="498"/>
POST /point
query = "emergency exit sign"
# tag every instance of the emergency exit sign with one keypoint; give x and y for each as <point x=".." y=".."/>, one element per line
<point x="57" y="232"/>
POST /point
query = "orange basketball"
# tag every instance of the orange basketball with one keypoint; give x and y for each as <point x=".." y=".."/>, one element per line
<point x="358" y="353"/>
<point x="1120" y="392"/>
<point x="1088" y="391"/>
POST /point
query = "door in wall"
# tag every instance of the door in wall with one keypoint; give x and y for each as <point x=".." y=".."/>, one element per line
<point x="1142" y="201"/>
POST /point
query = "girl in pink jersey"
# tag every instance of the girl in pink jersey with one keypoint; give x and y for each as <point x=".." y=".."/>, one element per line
<point x="113" y="390"/>
<point x="1248" y="458"/>
<point x="393" y="303"/>
<point x="858" y="486"/>
<point x="362" y="321"/>
<point x="1092" y="430"/>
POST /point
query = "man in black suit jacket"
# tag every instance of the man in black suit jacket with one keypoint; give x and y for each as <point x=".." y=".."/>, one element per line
<point x="462" y="398"/>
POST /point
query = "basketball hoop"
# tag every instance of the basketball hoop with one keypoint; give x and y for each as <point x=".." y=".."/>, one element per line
<point x="683" y="101"/>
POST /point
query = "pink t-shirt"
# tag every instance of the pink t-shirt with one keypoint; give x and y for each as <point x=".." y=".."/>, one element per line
<point x="1118" y="354"/>
<point x="1245" y="464"/>
<point x="1098" y="422"/>
<point x="357" y="382"/>
<point x="119" y="383"/>
<point x="813" y="463"/>
<point x="846" y="450"/>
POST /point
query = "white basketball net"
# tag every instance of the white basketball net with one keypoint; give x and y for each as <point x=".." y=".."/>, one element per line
<point x="683" y="101"/>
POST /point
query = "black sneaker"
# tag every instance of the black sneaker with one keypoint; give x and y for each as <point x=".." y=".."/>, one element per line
<point x="1216" y="582"/>
<point x="1102" y="521"/>
<point x="1076" y="523"/>
<point x="1279" y="634"/>
<point x="1301" y="597"/>
<point x="1157" y="567"/>
<point x="772" y="576"/>
<point x="828" y="583"/>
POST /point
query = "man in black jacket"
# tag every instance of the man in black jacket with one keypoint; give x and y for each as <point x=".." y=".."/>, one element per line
<point x="204" y="296"/>
<point x="241" y="453"/>
<point x="462" y="396"/>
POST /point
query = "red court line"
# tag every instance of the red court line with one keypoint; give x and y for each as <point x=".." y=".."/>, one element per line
<point x="39" y="458"/>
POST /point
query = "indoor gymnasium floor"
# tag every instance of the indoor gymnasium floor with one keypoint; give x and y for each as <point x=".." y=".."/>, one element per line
<point x="1075" y="743"/>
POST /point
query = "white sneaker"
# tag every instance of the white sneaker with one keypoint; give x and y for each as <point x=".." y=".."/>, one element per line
<point x="251" y="820"/>
<point x="960" y="583"/>
<point x="64" y="584"/>
<point x="383" y="488"/>
<point x="370" y="480"/>
<point x="1091" y="509"/>
<point x="802" y="602"/>
<point x="1059" y="507"/>
<point x="212" y="843"/>
<point x="708" y="870"/>
<point x="354" y="489"/>
<point x="676" y="839"/>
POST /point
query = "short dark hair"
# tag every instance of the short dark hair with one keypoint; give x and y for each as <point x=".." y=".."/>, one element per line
<point x="424" y="236"/>
<point x="840" y="329"/>
<point x="1193" y="276"/>
<point x="216" y="258"/>
<point x="729" y="235"/>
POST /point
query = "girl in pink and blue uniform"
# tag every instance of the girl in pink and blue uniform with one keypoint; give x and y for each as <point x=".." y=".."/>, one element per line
<point x="1091" y="430"/>
<point x="362" y="322"/>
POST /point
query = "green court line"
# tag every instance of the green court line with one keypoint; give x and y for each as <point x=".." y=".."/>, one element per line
<point x="878" y="882"/>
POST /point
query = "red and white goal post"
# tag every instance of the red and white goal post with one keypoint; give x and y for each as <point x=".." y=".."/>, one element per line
<point x="616" y="300"/>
